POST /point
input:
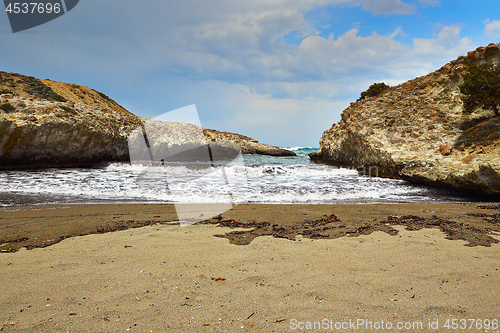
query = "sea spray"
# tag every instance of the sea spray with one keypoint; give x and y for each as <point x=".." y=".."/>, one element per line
<point x="268" y="179"/>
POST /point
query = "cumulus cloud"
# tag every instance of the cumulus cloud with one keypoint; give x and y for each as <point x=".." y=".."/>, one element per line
<point x="492" y="29"/>
<point x="448" y="42"/>
<point x="236" y="41"/>
<point x="388" y="7"/>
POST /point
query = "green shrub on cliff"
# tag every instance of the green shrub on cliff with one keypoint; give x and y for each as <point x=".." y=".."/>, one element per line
<point x="374" y="90"/>
<point x="7" y="107"/>
<point x="68" y="109"/>
<point x="481" y="88"/>
<point x="34" y="86"/>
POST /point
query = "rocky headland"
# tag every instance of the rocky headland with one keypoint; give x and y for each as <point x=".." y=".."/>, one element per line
<point x="246" y="144"/>
<point x="46" y="123"/>
<point x="418" y="131"/>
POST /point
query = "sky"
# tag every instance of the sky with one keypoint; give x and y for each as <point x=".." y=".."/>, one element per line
<point x="279" y="71"/>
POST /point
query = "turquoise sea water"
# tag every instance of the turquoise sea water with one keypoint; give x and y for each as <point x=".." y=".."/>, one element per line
<point x="302" y="157"/>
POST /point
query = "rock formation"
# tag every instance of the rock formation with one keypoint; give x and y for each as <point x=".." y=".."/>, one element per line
<point x="417" y="131"/>
<point x="172" y="142"/>
<point x="247" y="145"/>
<point x="44" y="124"/>
<point x="54" y="124"/>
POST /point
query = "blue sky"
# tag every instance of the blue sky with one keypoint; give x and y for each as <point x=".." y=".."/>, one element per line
<point x="280" y="71"/>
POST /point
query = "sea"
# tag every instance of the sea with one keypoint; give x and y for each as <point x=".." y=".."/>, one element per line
<point x="247" y="179"/>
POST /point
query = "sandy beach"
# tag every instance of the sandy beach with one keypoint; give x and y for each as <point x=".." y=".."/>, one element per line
<point x="267" y="268"/>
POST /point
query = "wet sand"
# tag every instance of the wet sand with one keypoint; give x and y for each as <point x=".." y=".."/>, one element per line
<point x="41" y="226"/>
<point x="267" y="268"/>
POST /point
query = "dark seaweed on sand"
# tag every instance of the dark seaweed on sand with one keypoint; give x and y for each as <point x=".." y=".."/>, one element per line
<point x="331" y="227"/>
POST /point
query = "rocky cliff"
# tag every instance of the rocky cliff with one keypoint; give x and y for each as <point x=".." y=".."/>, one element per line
<point x="247" y="145"/>
<point x="418" y="132"/>
<point x="44" y="124"/>
<point x="54" y="124"/>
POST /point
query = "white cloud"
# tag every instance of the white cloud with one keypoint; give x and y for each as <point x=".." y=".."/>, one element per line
<point x="326" y="58"/>
<point x="397" y="32"/>
<point x="388" y="7"/>
<point x="279" y="121"/>
<point x="430" y="2"/>
<point x="240" y="42"/>
<point x="492" y="29"/>
<point x="447" y="43"/>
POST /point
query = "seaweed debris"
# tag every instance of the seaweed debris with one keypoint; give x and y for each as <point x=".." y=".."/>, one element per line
<point x="331" y="227"/>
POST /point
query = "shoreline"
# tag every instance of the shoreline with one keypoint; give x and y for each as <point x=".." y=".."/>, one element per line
<point x="45" y="225"/>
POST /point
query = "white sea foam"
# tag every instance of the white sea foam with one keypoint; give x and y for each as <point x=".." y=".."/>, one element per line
<point x="285" y="180"/>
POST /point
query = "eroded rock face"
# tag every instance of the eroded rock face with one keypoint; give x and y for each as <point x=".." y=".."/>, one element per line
<point x="247" y="145"/>
<point x="54" y="124"/>
<point x="417" y="131"/>
<point x="45" y="128"/>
